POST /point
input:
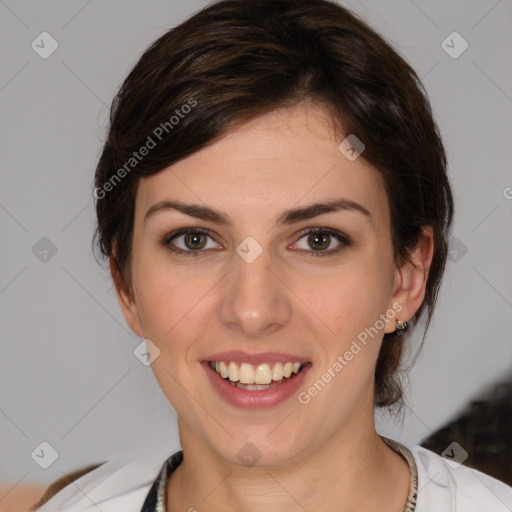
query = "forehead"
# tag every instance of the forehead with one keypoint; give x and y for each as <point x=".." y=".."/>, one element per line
<point x="286" y="158"/>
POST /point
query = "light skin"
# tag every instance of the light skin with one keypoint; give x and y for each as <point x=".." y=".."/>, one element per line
<point x="325" y="455"/>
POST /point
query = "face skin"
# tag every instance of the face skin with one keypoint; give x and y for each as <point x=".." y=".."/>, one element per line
<point x="287" y="300"/>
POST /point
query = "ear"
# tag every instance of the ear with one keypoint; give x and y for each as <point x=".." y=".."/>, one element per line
<point x="126" y="300"/>
<point x="410" y="279"/>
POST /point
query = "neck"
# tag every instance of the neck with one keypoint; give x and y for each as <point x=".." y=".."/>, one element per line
<point x="351" y="471"/>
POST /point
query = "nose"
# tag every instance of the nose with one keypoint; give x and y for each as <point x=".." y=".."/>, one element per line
<point x="255" y="302"/>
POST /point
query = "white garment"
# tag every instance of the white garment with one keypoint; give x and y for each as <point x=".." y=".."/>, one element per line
<point x="122" y="484"/>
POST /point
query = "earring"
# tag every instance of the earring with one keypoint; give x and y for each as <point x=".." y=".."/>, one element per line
<point x="401" y="326"/>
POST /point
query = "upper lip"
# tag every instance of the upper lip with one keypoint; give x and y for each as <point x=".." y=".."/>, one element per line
<point x="263" y="357"/>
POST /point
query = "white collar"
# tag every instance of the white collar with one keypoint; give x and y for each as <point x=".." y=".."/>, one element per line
<point x="122" y="484"/>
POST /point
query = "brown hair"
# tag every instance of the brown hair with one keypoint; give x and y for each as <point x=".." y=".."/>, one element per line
<point x="236" y="60"/>
<point x="59" y="484"/>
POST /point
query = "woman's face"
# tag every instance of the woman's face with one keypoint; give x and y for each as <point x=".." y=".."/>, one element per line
<point x="261" y="285"/>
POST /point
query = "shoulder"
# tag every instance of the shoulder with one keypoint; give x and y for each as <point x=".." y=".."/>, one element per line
<point x="446" y="486"/>
<point x="59" y="484"/>
<point x="120" y="483"/>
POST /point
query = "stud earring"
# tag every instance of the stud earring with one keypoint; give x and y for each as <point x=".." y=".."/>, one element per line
<point x="401" y="327"/>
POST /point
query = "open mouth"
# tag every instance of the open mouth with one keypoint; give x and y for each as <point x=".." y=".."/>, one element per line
<point x="257" y="377"/>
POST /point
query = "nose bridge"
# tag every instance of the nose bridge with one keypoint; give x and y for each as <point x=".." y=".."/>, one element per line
<point x="255" y="301"/>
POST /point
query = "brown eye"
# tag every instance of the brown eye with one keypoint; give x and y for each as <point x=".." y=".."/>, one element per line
<point x="195" y="241"/>
<point x="322" y="242"/>
<point x="190" y="242"/>
<point x="319" y="241"/>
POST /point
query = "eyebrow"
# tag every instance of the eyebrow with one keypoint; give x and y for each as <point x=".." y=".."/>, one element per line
<point x="290" y="216"/>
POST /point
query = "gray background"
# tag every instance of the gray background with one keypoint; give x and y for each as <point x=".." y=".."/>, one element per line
<point x="68" y="375"/>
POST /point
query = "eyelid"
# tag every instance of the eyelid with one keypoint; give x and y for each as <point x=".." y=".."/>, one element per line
<point x="183" y="231"/>
<point x="325" y="229"/>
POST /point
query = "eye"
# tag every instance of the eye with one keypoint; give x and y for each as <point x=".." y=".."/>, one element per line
<point x="317" y="241"/>
<point x="188" y="241"/>
<point x="323" y="241"/>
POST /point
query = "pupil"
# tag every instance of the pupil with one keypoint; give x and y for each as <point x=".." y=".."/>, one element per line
<point x="319" y="241"/>
<point x="193" y="241"/>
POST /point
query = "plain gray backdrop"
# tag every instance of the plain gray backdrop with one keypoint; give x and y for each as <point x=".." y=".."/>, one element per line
<point x="69" y="377"/>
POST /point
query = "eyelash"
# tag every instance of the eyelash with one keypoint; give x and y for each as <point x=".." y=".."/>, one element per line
<point x="340" y="237"/>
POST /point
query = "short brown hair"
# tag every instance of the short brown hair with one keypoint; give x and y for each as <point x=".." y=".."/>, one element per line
<point x="235" y="60"/>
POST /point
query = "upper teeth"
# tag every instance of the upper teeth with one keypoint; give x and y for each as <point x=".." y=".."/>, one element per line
<point x="258" y="374"/>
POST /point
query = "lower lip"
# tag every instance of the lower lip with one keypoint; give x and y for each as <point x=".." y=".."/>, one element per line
<point x="254" y="399"/>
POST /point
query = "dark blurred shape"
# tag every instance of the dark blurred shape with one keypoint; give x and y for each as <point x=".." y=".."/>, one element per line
<point x="484" y="430"/>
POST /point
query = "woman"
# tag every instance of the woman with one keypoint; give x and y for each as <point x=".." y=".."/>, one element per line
<point x="274" y="204"/>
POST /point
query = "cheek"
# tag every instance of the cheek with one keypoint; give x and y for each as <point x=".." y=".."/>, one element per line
<point x="170" y="302"/>
<point x="350" y="298"/>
